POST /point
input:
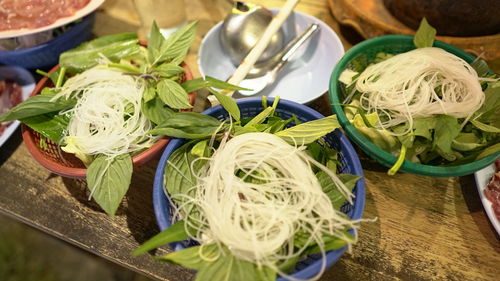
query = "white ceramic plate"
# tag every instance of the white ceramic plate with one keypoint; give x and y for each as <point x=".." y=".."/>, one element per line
<point x="91" y="6"/>
<point x="305" y="77"/>
<point x="27" y="82"/>
<point x="482" y="178"/>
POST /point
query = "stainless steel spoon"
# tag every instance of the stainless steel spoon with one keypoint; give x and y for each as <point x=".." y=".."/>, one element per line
<point x="264" y="74"/>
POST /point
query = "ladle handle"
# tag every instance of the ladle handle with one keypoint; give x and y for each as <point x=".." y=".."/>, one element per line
<point x="295" y="44"/>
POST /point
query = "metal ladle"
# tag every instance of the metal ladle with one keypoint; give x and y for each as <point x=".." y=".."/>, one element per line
<point x="242" y="28"/>
<point x="264" y="74"/>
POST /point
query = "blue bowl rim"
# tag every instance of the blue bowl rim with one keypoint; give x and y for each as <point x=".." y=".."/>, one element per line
<point x="160" y="201"/>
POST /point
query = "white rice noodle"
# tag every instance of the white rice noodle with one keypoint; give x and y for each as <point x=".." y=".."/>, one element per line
<point x="404" y="87"/>
<point x="257" y="221"/>
<point x="100" y="123"/>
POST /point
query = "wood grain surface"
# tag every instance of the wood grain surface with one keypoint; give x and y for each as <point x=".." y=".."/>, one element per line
<point x="426" y="228"/>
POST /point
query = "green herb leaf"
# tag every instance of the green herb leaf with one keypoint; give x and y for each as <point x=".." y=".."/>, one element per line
<point x="200" y="83"/>
<point x="332" y="243"/>
<point x="309" y="131"/>
<point x="494" y="149"/>
<point x="172" y="49"/>
<point x="229" y="268"/>
<point x="109" y="179"/>
<point x="466" y="142"/>
<point x="176" y="232"/>
<point x="156" y="111"/>
<point x="114" y="47"/>
<point x="446" y="130"/>
<point x="423" y="127"/>
<point x="168" y="69"/>
<point x="261" y="117"/>
<point x="178" y="176"/>
<point x="190" y="125"/>
<point x="424" y="37"/>
<point x="200" y="148"/>
<point x="190" y="257"/>
<point x="149" y="94"/>
<point x="36" y="105"/>
<point x="331" y="189"/>
<point x="49" y="125"/>
<point x="485" y="127"/>
<point x="491" y="106"/>
<point x="228" y="103"/>
<point x="219" y="84"/>
<point x="172" y="94"/>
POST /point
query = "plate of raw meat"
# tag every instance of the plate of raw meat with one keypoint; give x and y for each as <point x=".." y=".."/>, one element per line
<point x="488" y="185"/>
<point x="23" y="17"/>
<point x="16" y="84"/>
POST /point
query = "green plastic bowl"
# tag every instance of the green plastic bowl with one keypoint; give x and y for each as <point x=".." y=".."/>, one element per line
<point x="394" y="44"/>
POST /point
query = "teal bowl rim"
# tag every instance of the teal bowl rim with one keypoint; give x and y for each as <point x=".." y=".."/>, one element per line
<point x="373" y="151"/>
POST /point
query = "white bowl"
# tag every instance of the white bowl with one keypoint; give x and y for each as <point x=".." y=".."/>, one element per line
<point x="27" y="83"/>
<point x="304" y="78"/>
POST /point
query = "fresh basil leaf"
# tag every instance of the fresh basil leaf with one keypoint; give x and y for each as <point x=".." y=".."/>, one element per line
<point x="229" y="268"/>
<point x="228" y="103"/>
<point x="466" y="142"/>
<point x="174" y="48"/>
<point x="481" y="67"/>
<point x="190" y="125"/>
<point x="332" y="243"/>
<point x="200" y="83"/>
<point x="52" y="91"/>
<point x="424" y="37"/>
<point x="331" y="189"/>
<point x="52" y="76"/>
<point x="149" y="94"/>
<point x="491" y="106"/>
<point x="406" y="139"/>
<point x="172" y="94"/>
<point x="109" y="179"/>
<point x="446" y="130"/>
<point x="485" y="127"/>
<point x="156" y="111"/>
<point x="49" y="125"/>
<point x="219" y="84"/>
<point x="200" y="148"/>
<point x="87" y="55"/>
<point x="176" y="232"/>
<point x="169" y="69"/>
<point x="190" y="257"/>
<point x="155" y="42"/>
<point x="309" y="131"/>
<point x="423" y="127"/>
<point x="194" y="84"/>
<point x="494" y="149"/>
<point x="289" y="265"/>
<point x="36" y="105"/>
<point x="259" y="118"/>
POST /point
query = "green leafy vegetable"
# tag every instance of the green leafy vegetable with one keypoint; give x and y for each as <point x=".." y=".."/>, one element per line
<point x="424" y="37"/>
<point x="188" y="125"/>
<point x="176" y="232"/>
<point x="109" y="179"/>
<point x="310" y="131"/>
<point x="172" y="94"/>
<point x="36" y="105"/>
<point x="87" y="55"/>
<point x="49" y="125"/>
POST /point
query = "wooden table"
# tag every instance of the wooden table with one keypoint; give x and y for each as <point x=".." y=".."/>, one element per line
<point x="427" y="228"/>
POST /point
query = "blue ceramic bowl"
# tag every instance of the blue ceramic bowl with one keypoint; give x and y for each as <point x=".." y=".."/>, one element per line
<point x="46" y="55"/>
<point x="310" y="266"/>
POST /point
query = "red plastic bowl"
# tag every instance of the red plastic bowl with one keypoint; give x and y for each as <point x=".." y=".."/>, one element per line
<point x="68" y="165"/>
